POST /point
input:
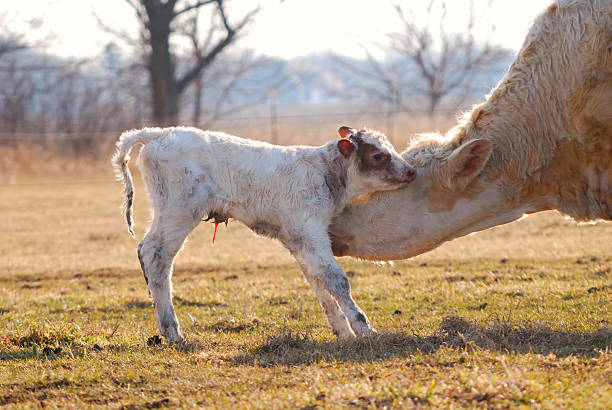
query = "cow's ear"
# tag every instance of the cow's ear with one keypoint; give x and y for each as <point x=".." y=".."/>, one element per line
<point x="467" y="161"/>
<point x="346" y="132"/>
<point x="346" y="147"/>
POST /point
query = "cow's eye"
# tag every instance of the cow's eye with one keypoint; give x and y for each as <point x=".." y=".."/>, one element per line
<point x="378" y="157"/>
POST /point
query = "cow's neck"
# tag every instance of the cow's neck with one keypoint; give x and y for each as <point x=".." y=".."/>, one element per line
<point x="539" y="164"/>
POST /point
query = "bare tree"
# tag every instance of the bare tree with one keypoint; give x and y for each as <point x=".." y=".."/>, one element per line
<point x="11" y="43"/>
<point x="450" y="67"/>
<point x="158" y="20"/>
<point x="236" y="81"/>
<point x="9" y="40"/>
<point x="65" y="105"/>
<point x="426" y="61"/>
<point x="12" y="100"/>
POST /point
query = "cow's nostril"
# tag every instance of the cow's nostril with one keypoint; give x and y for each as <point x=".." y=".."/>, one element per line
<point x="411" y="173"/>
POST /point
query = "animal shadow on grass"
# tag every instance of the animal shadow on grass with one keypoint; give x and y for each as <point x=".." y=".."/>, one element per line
<point x="454" y="332"/>
<point x="186" y="302"/>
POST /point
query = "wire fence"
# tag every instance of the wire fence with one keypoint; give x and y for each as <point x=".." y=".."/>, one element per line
<point x="265" y="125"/>
<point x="69" y="153"/>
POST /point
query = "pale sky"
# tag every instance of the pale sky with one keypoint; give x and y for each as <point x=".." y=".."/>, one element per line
<point x="285" y="29"/>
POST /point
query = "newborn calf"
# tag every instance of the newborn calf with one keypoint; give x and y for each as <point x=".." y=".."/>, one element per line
<point x="287" y="193"/>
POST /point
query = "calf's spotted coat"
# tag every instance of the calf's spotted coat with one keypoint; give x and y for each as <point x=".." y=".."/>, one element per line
<point x="286" y="193"/>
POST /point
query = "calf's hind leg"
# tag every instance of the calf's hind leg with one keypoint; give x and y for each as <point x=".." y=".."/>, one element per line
<point x="156" y="252"/>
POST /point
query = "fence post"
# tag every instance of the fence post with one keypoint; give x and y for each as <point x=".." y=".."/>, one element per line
<point x="273" y="117"/>
<point x="390" y="115"/>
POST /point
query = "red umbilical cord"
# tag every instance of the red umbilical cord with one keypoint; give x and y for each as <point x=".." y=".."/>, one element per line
<point x="215" y="234"/>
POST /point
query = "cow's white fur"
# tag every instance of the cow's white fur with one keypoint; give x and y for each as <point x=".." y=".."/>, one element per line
<point x="287" y="193"/>
<point x="542" y="140"/>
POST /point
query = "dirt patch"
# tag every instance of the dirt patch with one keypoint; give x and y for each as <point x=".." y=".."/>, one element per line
<point x="601" y="288"/>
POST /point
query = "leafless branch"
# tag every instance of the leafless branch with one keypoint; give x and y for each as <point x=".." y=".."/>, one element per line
<point x="447" y="63"/>
<point x="137" y="6"/>
<point x="193" y="7"/>
<point x="207" y="57"/>
<point x="118" y="33"/>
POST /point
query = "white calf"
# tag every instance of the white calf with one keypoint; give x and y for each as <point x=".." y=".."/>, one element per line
<point x="287" y="193"/>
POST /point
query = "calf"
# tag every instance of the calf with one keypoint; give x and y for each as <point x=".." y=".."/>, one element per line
<point x="286" y="193"/>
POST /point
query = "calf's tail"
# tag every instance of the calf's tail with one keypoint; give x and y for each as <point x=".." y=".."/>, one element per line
<point x="120" y="164"/>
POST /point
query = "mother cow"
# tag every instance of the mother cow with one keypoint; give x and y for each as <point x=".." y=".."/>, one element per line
<point x="542" y="140"/>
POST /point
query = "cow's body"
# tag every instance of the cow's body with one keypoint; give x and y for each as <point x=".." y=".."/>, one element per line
<point x="542" y="140"/>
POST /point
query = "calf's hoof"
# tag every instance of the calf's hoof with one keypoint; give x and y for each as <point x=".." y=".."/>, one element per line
<point x="173" y="335"/>
<point x="367" y="332"/>
<point x="177" y="339"/>
<point x="345" y="335"/>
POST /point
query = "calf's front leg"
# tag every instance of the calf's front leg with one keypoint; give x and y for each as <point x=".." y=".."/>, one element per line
<point x="331" y="287"/>
<point x="335" y="316"/>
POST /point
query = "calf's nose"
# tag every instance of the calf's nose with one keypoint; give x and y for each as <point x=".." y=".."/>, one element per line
<point x="410" y="175"/>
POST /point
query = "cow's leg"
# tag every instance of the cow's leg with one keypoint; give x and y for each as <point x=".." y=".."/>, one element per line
<point x="330" y="284"/>
<point x="156" y="253"/>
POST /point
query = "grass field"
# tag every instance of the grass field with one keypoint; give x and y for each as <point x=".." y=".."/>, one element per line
<point x="519" y="315"/>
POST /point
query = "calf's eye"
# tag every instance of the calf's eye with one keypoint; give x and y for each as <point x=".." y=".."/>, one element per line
<point x="380" y="157"/>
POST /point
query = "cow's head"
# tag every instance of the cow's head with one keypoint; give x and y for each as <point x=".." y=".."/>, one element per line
<point x="452" y="194"/>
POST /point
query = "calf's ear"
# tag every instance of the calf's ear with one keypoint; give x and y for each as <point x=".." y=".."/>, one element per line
<point x="346" y="132"/>
<point x="467" y="161"/>
<point x="346" y="147"/>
